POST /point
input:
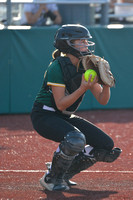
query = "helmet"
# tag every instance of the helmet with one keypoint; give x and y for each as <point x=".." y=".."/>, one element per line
<point x="65" y="36"/>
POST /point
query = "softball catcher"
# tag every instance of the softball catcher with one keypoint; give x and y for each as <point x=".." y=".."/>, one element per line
<point x="81" y="143"/>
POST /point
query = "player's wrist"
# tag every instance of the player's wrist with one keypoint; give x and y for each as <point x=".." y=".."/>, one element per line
<point x="82" y="89"/>
<point x="106" y="86"/>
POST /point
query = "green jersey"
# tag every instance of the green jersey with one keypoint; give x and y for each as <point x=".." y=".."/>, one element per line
<point x="52" y="77"/>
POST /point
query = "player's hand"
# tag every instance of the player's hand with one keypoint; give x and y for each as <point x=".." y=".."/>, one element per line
<point x="87" y="85"/>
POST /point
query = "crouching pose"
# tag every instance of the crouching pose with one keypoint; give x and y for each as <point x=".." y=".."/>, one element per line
<point x="82" y="144"/>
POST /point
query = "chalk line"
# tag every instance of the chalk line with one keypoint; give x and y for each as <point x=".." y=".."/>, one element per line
<point x="85" y="171"/>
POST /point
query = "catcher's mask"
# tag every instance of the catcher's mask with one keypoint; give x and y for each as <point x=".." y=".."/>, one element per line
<point x="65" y="36"/>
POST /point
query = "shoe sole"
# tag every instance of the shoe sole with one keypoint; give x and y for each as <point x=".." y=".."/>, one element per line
<point x="51" y="187"/>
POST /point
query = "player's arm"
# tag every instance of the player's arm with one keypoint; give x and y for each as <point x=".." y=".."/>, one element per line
<point x="62" y="101"/>
<point x="101" y="93"/>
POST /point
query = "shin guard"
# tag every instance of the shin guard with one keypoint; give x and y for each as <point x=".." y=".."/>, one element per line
<point x="80" y="163"/>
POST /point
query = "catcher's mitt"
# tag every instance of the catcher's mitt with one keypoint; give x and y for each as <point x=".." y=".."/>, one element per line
<point x="102" y="68"/>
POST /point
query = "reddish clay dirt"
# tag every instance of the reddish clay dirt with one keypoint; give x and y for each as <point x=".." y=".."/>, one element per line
<point x="23" y="154"/>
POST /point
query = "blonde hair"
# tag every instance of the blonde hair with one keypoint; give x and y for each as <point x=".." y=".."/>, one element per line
<point x="56" y="54"/>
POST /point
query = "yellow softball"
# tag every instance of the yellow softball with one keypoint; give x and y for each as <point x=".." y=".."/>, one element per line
<point x="88" y="73"/>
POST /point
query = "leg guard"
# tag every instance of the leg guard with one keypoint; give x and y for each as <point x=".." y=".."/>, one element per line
<point x="106" y="155"/>
<point x="69" y="183"/>
<point x="60" y="164"/>
<point x="81" y="162"/>
<point x="73" y="143"/>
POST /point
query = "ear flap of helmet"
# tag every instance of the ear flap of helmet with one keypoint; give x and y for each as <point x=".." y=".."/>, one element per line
<point x="62" y="46"/>
<point x="65" y="48"/>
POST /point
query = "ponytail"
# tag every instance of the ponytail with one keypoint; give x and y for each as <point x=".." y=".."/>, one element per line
<point x="56" y="54"/>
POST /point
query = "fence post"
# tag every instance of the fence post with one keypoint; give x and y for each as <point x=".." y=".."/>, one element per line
<point x="8" y="14"/>
<point x="104" y="20"/>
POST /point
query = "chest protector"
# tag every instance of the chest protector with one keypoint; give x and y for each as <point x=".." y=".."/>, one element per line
<point x="72" y="79"/>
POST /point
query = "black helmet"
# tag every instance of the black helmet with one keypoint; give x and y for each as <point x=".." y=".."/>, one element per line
<point x="68" y="33"/>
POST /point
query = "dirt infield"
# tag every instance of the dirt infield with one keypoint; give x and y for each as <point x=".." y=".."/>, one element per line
<point x="23" y="154"/>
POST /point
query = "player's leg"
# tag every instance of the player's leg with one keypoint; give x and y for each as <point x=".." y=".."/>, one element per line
<point x="51" y="126"/>
<point x="101" y="148"/>
<point x="83" y="161"/>
<point x="73" y="143"/>
<point x="95" y="137"/>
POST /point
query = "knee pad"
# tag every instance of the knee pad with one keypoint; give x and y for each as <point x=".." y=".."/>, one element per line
<point x="105" y="155"/>
<point x="73" y="143"/>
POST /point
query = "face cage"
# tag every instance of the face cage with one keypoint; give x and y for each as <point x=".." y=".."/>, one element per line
<point x="90" y="45"/>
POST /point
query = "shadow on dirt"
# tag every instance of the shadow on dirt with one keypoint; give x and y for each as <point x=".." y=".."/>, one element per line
<point x="78" y="194"/>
